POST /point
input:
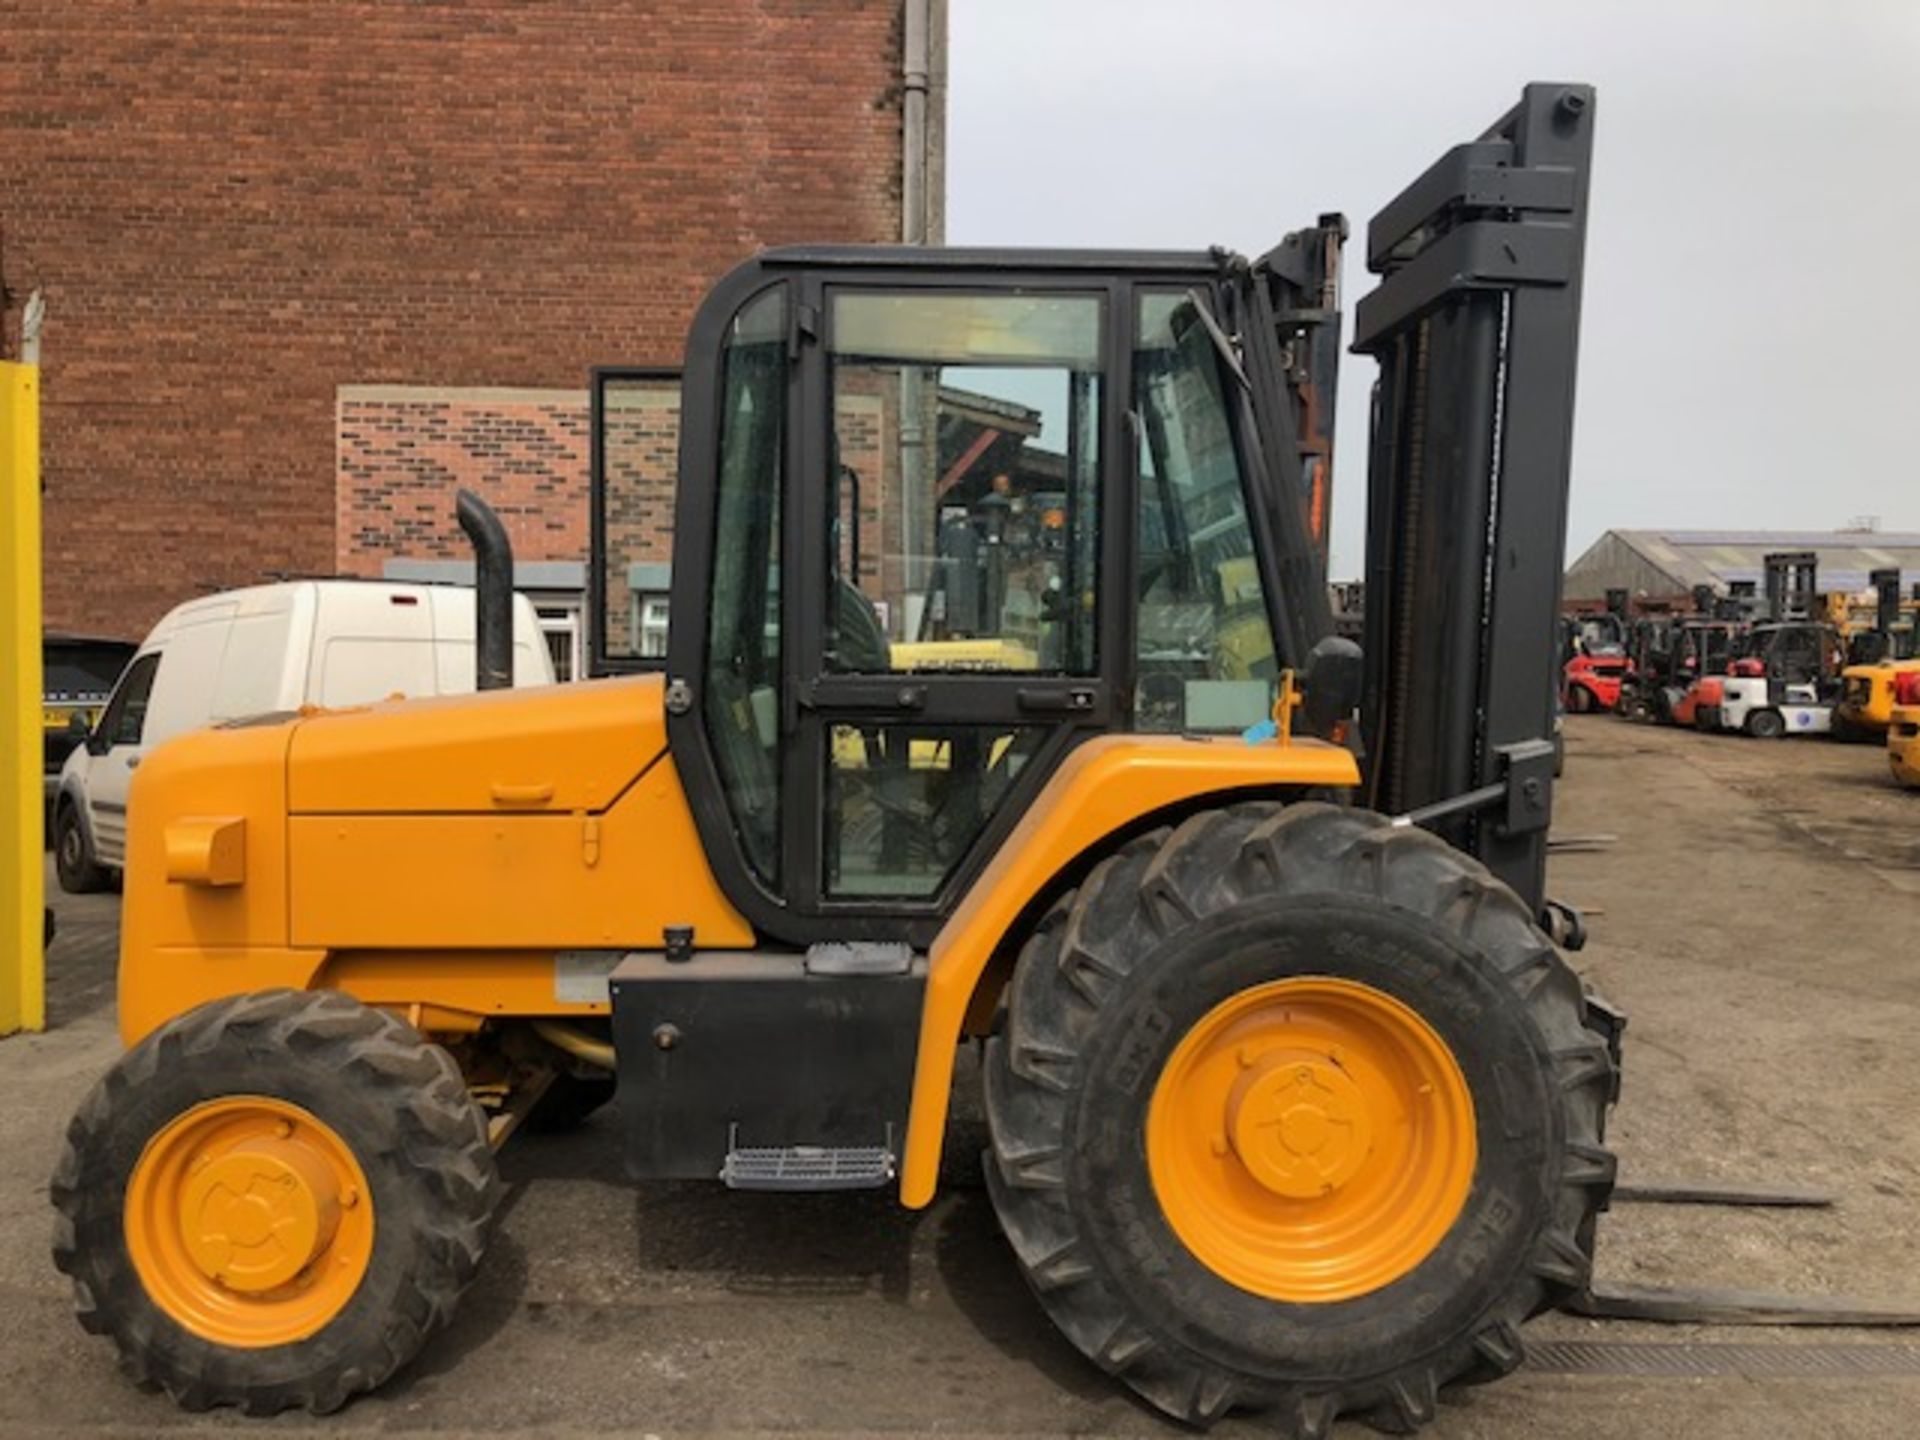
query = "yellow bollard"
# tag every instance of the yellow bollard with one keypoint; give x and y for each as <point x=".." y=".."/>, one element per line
<point x="23" y="997"/>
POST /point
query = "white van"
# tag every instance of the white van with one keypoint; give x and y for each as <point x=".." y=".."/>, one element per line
<point x="260" y="651"/>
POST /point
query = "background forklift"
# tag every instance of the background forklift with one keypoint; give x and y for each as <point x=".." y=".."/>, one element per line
<point x="1666" y="654"/>
<point x="1294" y="1102"/>
<point x="1783" y="676"/>
<point x="1876" y="659"/>
<point x="1596" y="656"/>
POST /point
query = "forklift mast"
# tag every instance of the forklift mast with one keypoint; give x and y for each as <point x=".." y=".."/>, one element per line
<point x="1793" y="588"/>
<point x="1475" y="326"/>
<point x="1886" y="595"/>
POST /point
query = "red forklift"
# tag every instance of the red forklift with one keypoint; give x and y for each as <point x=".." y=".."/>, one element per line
<point x="1594" y="656"/>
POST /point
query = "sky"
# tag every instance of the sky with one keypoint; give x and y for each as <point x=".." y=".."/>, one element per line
<point x="1752" y="299"/>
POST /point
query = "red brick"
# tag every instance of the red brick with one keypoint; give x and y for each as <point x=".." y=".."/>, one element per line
<point x="236" y="208"/>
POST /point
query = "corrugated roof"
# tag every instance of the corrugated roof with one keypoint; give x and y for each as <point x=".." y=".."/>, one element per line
<point x="1695" y="557"/>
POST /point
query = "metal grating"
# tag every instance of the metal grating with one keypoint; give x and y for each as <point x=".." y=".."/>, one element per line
<point x="1746" y="1360"/>
<point x="809" y="1167"/>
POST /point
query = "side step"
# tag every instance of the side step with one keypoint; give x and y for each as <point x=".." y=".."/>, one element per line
<point x="808" y="1167"/>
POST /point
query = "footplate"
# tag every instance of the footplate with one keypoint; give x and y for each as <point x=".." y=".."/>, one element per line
<point x="809" y="1167"/>
<point x="770" y="1071"/>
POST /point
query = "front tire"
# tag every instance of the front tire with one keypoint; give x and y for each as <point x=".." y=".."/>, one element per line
<point x="73" y="862"/>
<point x="273" y="1201"/>
<point x="1176" y="932"/>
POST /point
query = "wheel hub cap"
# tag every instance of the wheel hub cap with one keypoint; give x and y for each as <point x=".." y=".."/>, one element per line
<point x="1311" y="1139"/>
<point x="1299" y="1123"/>
<point x="257" y="1216"/>
<point x="249" y="1221"/>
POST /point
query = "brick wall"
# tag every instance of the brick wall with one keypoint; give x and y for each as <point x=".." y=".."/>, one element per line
<point x="237" y="208"/>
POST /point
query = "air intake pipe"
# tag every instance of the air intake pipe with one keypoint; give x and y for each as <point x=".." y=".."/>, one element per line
<point x="492" y="592"/>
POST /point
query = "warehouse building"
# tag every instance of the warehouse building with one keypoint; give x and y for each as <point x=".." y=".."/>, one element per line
<point x="309" y="268"/>
<point x="1662" y="567"/>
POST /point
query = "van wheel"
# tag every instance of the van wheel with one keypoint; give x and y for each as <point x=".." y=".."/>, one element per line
<point x="73" y="861"/>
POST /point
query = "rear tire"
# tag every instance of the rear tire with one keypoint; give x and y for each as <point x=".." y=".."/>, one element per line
<point x="397" y="1103"/>
<point x="1766" y="724"/>
<point x="1120" y="971"/>
<point x="73" y="862"/>
<point x="1851" y="732"/>
<point x="1581" y="700"/>
<point x="568" y="1101"/>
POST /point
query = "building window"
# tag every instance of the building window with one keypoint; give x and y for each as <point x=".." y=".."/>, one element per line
<point x="652" y="626"/>
<point x="560" y="627"/>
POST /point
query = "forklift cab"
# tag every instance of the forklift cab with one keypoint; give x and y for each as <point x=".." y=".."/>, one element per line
<point x="1801" y="659"/>
<point x="1039" y="503"/>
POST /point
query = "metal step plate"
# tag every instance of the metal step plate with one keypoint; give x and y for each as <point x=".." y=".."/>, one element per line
<point x="809" y="1167"/>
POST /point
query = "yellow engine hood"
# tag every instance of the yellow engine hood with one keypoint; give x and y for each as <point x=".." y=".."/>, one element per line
<point x="552" y="748"/>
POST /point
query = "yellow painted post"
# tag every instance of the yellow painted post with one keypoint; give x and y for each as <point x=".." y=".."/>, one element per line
<point x="23" y="998"/>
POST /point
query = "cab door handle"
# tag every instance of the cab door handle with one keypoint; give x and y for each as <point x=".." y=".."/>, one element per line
<point x="1056" y="700"/>
<point x="536" y="794"/>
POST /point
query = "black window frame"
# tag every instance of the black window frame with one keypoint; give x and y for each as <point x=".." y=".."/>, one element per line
<point x="600" y="379"/>
<point x="799" y="914"/>
<point x="103" y="734"/>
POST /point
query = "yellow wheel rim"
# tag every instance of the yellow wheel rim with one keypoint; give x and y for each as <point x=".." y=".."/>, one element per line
<point x="249" y="1222"/>
<point x="1311" y="1140"/>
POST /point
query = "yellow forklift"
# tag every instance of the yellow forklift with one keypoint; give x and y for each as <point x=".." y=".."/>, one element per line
<point x="1295" y="1102"/>
<point x="1877" y="658"/>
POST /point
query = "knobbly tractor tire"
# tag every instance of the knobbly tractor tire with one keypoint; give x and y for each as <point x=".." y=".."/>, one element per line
<point x="1275" y="1019"/>
<point x="567" y="1103"/>
<point x="273" y="1201"/>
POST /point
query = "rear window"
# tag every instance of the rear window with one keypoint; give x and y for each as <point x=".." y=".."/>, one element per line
<point x="82" y="669"/>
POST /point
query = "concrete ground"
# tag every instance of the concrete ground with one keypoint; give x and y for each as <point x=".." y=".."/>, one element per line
<point x="1757" y="917"/>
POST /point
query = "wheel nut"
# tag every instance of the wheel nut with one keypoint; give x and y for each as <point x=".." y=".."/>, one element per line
<point x="349" y="1197"/>
<point x="283" y="1128"/>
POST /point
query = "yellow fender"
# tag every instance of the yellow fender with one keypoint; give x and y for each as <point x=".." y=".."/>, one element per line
<point x="1105" y="787"/>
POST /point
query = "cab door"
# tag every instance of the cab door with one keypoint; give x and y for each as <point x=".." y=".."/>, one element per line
<point x="951" y="635"/>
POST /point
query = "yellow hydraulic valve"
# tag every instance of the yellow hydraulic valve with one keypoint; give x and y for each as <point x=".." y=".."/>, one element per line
<point x="22" y="803"/>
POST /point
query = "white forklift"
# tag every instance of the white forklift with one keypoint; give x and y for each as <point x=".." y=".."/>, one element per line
<point x="1784" y="675"/>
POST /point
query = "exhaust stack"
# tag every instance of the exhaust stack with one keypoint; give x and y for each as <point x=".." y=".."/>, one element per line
<point x="492" y="592"/>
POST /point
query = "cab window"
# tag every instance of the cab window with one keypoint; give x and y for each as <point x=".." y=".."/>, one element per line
<point x="1206" y="659"/>
<point x="966" y="482"/>
<point x="739" y="703"/>
<point x="126" y="714"/>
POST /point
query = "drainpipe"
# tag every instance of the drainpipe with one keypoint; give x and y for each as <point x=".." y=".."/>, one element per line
<point x="914" y="498"/>
<point x="913" y="125"/>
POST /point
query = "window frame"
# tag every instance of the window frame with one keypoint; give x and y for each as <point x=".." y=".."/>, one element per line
<point x="1238" y="419"/>
<point x="821" y="698"/>
<point x="116" y="705"/>
<point x="799" y="915"/>
<point x="600" y="379"/>
<point x="1106" y="328"/>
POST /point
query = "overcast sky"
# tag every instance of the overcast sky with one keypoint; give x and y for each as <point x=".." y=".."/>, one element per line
<point x="1752" y="302"/>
